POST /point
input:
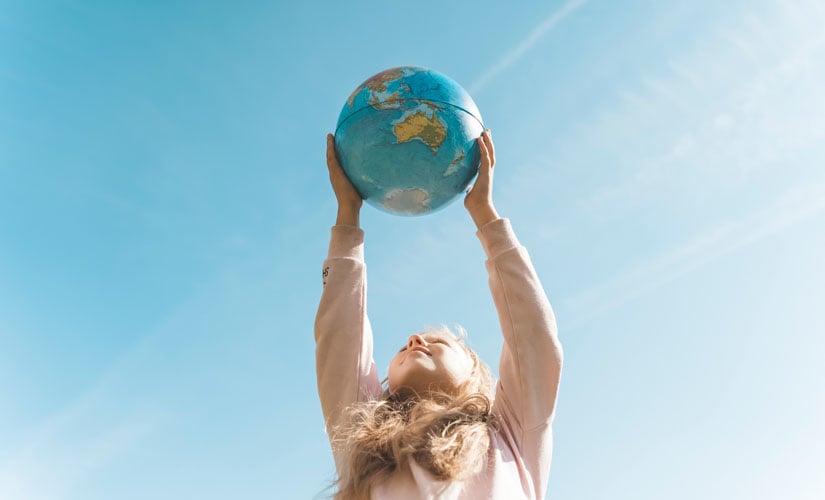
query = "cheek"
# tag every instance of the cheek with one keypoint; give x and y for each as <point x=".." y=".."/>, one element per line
<point x="393" y="372"/>
<point x="468" y="369"/>
<point x="468" y="366"/>
<point x="461" y="367"/>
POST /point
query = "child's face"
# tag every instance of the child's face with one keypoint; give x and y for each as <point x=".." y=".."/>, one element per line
<point x="430" y="361"/>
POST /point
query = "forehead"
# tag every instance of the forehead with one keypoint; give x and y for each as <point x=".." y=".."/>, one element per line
<point x="446" y="336"/>
<point x="439" y="335"/>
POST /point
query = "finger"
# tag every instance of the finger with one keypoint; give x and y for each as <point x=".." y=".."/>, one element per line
<point x="332" y="158"/>
<point x="484" y="165"/>
<point x="491" y="150"/>
<point x="483" y="178"/>
<point x="478" y="187"/>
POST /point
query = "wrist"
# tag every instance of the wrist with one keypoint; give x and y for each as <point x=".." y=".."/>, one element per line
<point x="348" y="215"/>
<point x="483" y="214"/>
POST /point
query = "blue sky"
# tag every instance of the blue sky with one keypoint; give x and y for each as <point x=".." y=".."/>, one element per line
<point x="164" y="212"/>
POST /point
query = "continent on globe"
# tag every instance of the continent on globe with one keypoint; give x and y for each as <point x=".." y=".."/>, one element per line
<point x="391" y="101"/>
<point x="455" y="165"/>
<point x="406" y="138"/>
<point x="377" y="83"/>
<point x="406" y="201"/>
<point x="428" y="129"/>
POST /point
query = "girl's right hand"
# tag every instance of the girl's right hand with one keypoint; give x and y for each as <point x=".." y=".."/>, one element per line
<point x="349" y="201"/>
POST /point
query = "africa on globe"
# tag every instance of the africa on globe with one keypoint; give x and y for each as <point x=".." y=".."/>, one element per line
<point x="406" y="138"/>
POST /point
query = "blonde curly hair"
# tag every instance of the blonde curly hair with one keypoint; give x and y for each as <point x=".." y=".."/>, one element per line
<point x="448" y="434"/>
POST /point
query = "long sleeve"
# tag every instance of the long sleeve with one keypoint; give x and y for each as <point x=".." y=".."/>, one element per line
<point x="344" y="364"/>
<point x="531" y="357"/>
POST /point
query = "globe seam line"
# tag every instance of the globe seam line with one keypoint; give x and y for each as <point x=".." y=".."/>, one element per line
<point x="405" y="100"/>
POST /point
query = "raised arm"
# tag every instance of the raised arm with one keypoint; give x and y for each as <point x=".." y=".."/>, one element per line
<point x="531" y="355"/>
<point x="343" y="338"/>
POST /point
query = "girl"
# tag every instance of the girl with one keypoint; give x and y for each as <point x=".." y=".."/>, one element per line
<point x="438" y="429"/>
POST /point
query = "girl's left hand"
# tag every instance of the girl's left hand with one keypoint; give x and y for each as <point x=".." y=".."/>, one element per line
<point x="479" y="199"/>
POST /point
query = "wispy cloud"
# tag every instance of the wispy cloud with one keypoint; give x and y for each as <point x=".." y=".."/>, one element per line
<point x="70" y="446"/>
<point x="708" y="130"/>
<point x="791" y="207"/>
<point x="744" y="121"/>
<point x="525" y="45"/>
<point x="119" y="411"/>
<point x="48" y="468"/>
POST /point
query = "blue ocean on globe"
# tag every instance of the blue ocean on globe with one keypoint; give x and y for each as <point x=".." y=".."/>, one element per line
<point x="406" y="139"/>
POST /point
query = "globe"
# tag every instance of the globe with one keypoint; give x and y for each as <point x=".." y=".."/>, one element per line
<point x="406" y="139"/>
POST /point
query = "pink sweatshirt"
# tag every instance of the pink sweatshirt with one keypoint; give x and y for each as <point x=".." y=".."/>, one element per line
<point x="529" y="368"/>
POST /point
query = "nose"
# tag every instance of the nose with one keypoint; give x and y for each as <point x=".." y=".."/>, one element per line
<point x="416" y="340"/>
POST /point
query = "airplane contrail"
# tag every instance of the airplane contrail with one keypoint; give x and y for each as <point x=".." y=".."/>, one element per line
<point x="525" y="45"/>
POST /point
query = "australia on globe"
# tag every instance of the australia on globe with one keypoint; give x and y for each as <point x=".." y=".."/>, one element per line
<point x="406" y="138"/>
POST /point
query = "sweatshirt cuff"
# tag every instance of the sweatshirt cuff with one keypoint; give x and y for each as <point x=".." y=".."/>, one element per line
<point x="346" y="241"/>
<point x="497" y="237"/>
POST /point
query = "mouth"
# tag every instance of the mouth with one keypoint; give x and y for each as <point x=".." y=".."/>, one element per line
<point x="419" y="348"/>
